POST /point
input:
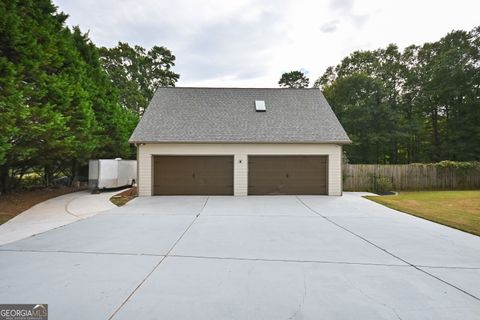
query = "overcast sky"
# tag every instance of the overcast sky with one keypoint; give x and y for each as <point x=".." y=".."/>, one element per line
<point x="250" y="43"/>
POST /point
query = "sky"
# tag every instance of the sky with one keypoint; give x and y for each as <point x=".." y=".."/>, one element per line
<point x="250" y="43"/>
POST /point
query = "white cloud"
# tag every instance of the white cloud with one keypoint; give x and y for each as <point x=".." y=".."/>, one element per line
<point x="252" y="42"/>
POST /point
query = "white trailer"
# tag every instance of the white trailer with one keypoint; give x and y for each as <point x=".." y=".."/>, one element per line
<point x="111" y="173"/>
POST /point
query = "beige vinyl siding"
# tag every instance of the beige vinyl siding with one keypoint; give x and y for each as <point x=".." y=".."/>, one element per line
<point x="335" y="170"/>
<point x="240" y="152"/>
<point x="240" y="174"/>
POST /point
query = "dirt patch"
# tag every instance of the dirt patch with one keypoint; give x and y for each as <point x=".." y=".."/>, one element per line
<point x="15" y="203"/>
<point x="122" y="198"/>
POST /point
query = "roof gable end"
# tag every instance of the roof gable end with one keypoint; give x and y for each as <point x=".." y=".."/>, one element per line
<point x="229" y="115"/>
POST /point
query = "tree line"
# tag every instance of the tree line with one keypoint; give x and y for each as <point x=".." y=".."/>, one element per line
<point x="420" y="104"/>
<point x="63" y="100"/>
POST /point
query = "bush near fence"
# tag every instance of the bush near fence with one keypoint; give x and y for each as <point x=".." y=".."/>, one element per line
<point x="447" y="175"/>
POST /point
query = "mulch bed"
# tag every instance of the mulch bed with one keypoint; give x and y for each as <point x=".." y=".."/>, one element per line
<point x="14" y="203"/>
<point x="122" y="198"/>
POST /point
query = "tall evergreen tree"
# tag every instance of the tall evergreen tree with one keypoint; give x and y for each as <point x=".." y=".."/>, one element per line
<point x="293" y="79"/>
<point x="58" y="105"/>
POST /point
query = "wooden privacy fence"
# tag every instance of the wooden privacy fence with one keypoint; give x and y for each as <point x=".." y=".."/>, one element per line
<point x="359" y="177"/>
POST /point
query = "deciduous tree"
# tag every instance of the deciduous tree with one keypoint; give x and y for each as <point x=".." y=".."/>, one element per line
<point x="429" y="98"/>
<point x="136" y="72"/>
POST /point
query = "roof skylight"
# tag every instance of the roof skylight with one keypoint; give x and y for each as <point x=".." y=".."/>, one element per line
<point x="260" y="106"/>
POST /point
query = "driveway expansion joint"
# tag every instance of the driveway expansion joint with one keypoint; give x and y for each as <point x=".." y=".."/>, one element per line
<point x="388" y="252"/>
<point x="84" y="252"/>
<point x="265" y="216"/>
<point x="71" y="213"/>
<point x="448" y="267"/>
<point x="158" y="264"/>
<point x="290" y="261"/>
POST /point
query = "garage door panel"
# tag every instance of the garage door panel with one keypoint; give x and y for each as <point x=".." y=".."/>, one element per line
<point x="193" y="175"/>
<point x="287" y="175"/>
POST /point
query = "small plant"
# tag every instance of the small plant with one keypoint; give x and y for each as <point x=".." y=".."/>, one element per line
<point x="381" y="185"/>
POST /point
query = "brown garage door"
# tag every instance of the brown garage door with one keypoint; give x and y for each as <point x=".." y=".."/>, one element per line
<point x="193" y="175"/>
<point x="287" y="175"/>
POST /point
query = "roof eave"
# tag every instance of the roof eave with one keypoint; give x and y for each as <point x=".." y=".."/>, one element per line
<point x="341" y="142"/>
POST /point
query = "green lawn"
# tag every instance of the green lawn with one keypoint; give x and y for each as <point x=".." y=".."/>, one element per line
<point x="457" y="209"/>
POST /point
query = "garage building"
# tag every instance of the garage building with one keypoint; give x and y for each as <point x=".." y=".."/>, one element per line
<point x="239" y="141"/>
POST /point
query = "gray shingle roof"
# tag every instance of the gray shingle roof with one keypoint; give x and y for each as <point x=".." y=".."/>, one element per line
<point x="228" y="115"/>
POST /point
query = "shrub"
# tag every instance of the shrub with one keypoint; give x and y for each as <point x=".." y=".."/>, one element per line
<point x="381" y="185"/>
<point x="448" y="164"/>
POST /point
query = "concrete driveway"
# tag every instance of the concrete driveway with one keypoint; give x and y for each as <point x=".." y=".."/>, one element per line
<point x="278" y="257"/>
<point x="54" y="213"/>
